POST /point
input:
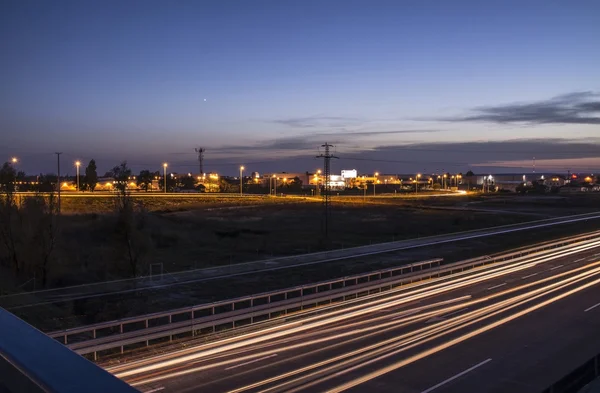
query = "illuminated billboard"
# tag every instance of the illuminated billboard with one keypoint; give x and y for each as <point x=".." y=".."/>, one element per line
<point x="349" y="174"/>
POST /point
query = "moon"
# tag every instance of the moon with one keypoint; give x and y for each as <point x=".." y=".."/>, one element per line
<point x="205" y="99"/>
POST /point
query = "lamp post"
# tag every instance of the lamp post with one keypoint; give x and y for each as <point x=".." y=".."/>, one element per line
<point x="417" y="183"/>
<point x="241" y="180"/>
<point x="165" y="175"/>
<point x="14" y="162"/>
<point x="375" y="182"/>
<point x="77" y="165"/>
<point x="445" y="176"/>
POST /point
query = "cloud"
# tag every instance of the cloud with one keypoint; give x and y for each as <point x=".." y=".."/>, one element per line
<point x="580" y="163"/>
<point x="310" y="142"/>
<point x="572" y="108"/>
<point x="318" y="121"/>
<point x="373" y="133"/>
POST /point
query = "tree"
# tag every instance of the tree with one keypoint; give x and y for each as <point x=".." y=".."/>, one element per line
<point x="46" y="182"/>
<point x="227" y="187"/>
<point x="187" y="183"/>
<point x="121" y="174"/>
<point x="294" y="184"/>
<point x="40" y="220"/>
<point x="171" y="183"/>
<point x="133" y="239"/>
<point x="470" y="173"/>
<point x="144" y="180"/>
<point x="91" y="176"/>
<point x="8" y="176"/>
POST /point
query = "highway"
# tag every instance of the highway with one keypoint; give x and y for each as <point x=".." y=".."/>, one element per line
<point x="514" y="326"/>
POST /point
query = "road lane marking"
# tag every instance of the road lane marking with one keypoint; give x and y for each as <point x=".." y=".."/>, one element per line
<point x="556" y="267"/>
<point x="431" y="389"/>
<point x="591" y="308"/>
<point x="251" y="361"/>
<point x="497" y="286"/>
<point x="531" y="275"/>
<point x="580" y="259"/>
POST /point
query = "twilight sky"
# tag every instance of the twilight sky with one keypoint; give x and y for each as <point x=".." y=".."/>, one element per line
<point x="398" y="86"/>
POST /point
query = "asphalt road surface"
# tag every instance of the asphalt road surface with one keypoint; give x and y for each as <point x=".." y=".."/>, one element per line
<point x="516" y="326"/>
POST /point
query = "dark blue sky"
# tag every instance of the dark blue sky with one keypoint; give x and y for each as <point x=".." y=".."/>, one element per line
<point x="252" y="81"/>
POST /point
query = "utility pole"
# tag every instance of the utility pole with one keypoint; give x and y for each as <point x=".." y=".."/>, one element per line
<point x="58" y="177"/>
<point x="200" y="151"/>
<point x="326" y="156"/>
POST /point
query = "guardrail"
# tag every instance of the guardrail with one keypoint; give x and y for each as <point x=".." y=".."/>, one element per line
<point x="130" y="333"/>
<point x="126" y="331"/>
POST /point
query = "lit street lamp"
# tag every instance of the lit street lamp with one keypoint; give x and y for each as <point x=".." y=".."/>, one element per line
<point x="165" y="175"/>
<point x="241" y="180"/>
<point x="445" y="176"/>
<point x="14" y="162"/>
<point x="417" y="183"/>
<point x="77" y="165"/>
<point x="375" y="182"/>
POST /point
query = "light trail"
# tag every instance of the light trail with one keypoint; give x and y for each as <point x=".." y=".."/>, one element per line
<point x="415" y="338"/>
<point x="378" y="327"/>
<point x="337" y="328"/>
<point x="459" y="281"/>
<point x="458" y="340"/>
<point x="487" y="272"/>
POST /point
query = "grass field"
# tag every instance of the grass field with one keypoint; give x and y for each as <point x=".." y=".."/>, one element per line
<point x="190" y="232"/>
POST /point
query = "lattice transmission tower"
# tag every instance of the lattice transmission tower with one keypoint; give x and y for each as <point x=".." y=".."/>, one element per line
<point x="326" y="155"/>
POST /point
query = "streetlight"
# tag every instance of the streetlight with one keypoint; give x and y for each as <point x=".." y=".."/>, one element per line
<point x="445" y="176"/>
<point x="375" y="182"/>
<point x="14" y="160"/>
<point x="77" y="165"/>
<point x="165" y="175"/>
<point x="417" y="183"/>
<point x="241" y="180"/>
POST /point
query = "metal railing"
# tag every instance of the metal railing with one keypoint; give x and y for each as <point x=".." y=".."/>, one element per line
<point x="31" y="362"/>
<point x="129" y="333"/>
<point x="126" y="331"/>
